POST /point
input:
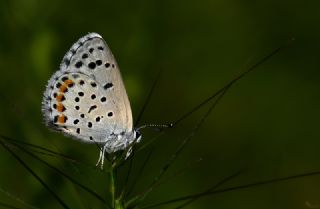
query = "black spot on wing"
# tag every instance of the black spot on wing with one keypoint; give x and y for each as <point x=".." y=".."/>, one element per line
<point x="103" y="99"/>
<point x="99" y="62"/>
<point x="92" y="108"/>
<point x="92" y="65"/>
<point x="78" y="64"/>
<point x="85" y="56"/>
<point x="55" y="119"/>
<point x="66" y="61"/>
<point x="107" y="86"/>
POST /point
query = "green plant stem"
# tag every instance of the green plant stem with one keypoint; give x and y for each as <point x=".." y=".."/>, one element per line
<point x="116" y="202"/>
<point x="112" y="187"/>
<point x="119" y="204"/>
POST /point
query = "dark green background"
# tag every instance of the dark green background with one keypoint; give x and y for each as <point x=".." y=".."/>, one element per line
<point x="268" y="123"/>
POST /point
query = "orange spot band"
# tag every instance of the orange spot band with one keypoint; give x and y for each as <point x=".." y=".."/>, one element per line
<point x="63" y="88"/>
<point x="60" y="107"/>
<point x="62" y="119"/>
<point x="60" y="97"/>
<point x="68" y="82"/>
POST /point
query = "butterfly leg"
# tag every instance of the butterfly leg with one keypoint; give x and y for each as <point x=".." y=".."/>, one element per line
<point x="100" y="156"/>
<point x="128" y="152"/>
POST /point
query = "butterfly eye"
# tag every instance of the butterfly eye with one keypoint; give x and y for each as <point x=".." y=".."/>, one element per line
<point x="137" y="135"/>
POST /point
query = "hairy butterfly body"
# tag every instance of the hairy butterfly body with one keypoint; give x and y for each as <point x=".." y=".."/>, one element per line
<point x="86" y="98"/>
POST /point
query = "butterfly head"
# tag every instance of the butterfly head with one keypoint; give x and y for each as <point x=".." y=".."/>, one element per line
<point x="137" y="135"/>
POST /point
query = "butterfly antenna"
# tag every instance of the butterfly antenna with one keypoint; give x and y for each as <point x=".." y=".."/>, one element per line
<point x="159" y="126"/>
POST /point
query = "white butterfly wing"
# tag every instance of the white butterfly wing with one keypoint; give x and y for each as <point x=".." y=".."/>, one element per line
<point x="86" y="98"/>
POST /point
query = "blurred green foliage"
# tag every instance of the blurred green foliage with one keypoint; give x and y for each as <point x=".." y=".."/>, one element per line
<point x="267" y="123"/>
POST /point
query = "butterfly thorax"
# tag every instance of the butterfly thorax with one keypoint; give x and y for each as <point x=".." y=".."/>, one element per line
<point x="121" y="141"/>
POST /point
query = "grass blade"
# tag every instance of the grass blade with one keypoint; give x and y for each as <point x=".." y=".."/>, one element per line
<point x="59" y="200"/>
<point x="245" y="186"/>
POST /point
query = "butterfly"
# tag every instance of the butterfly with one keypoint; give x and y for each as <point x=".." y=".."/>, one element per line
<point x="87" y="100"/>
